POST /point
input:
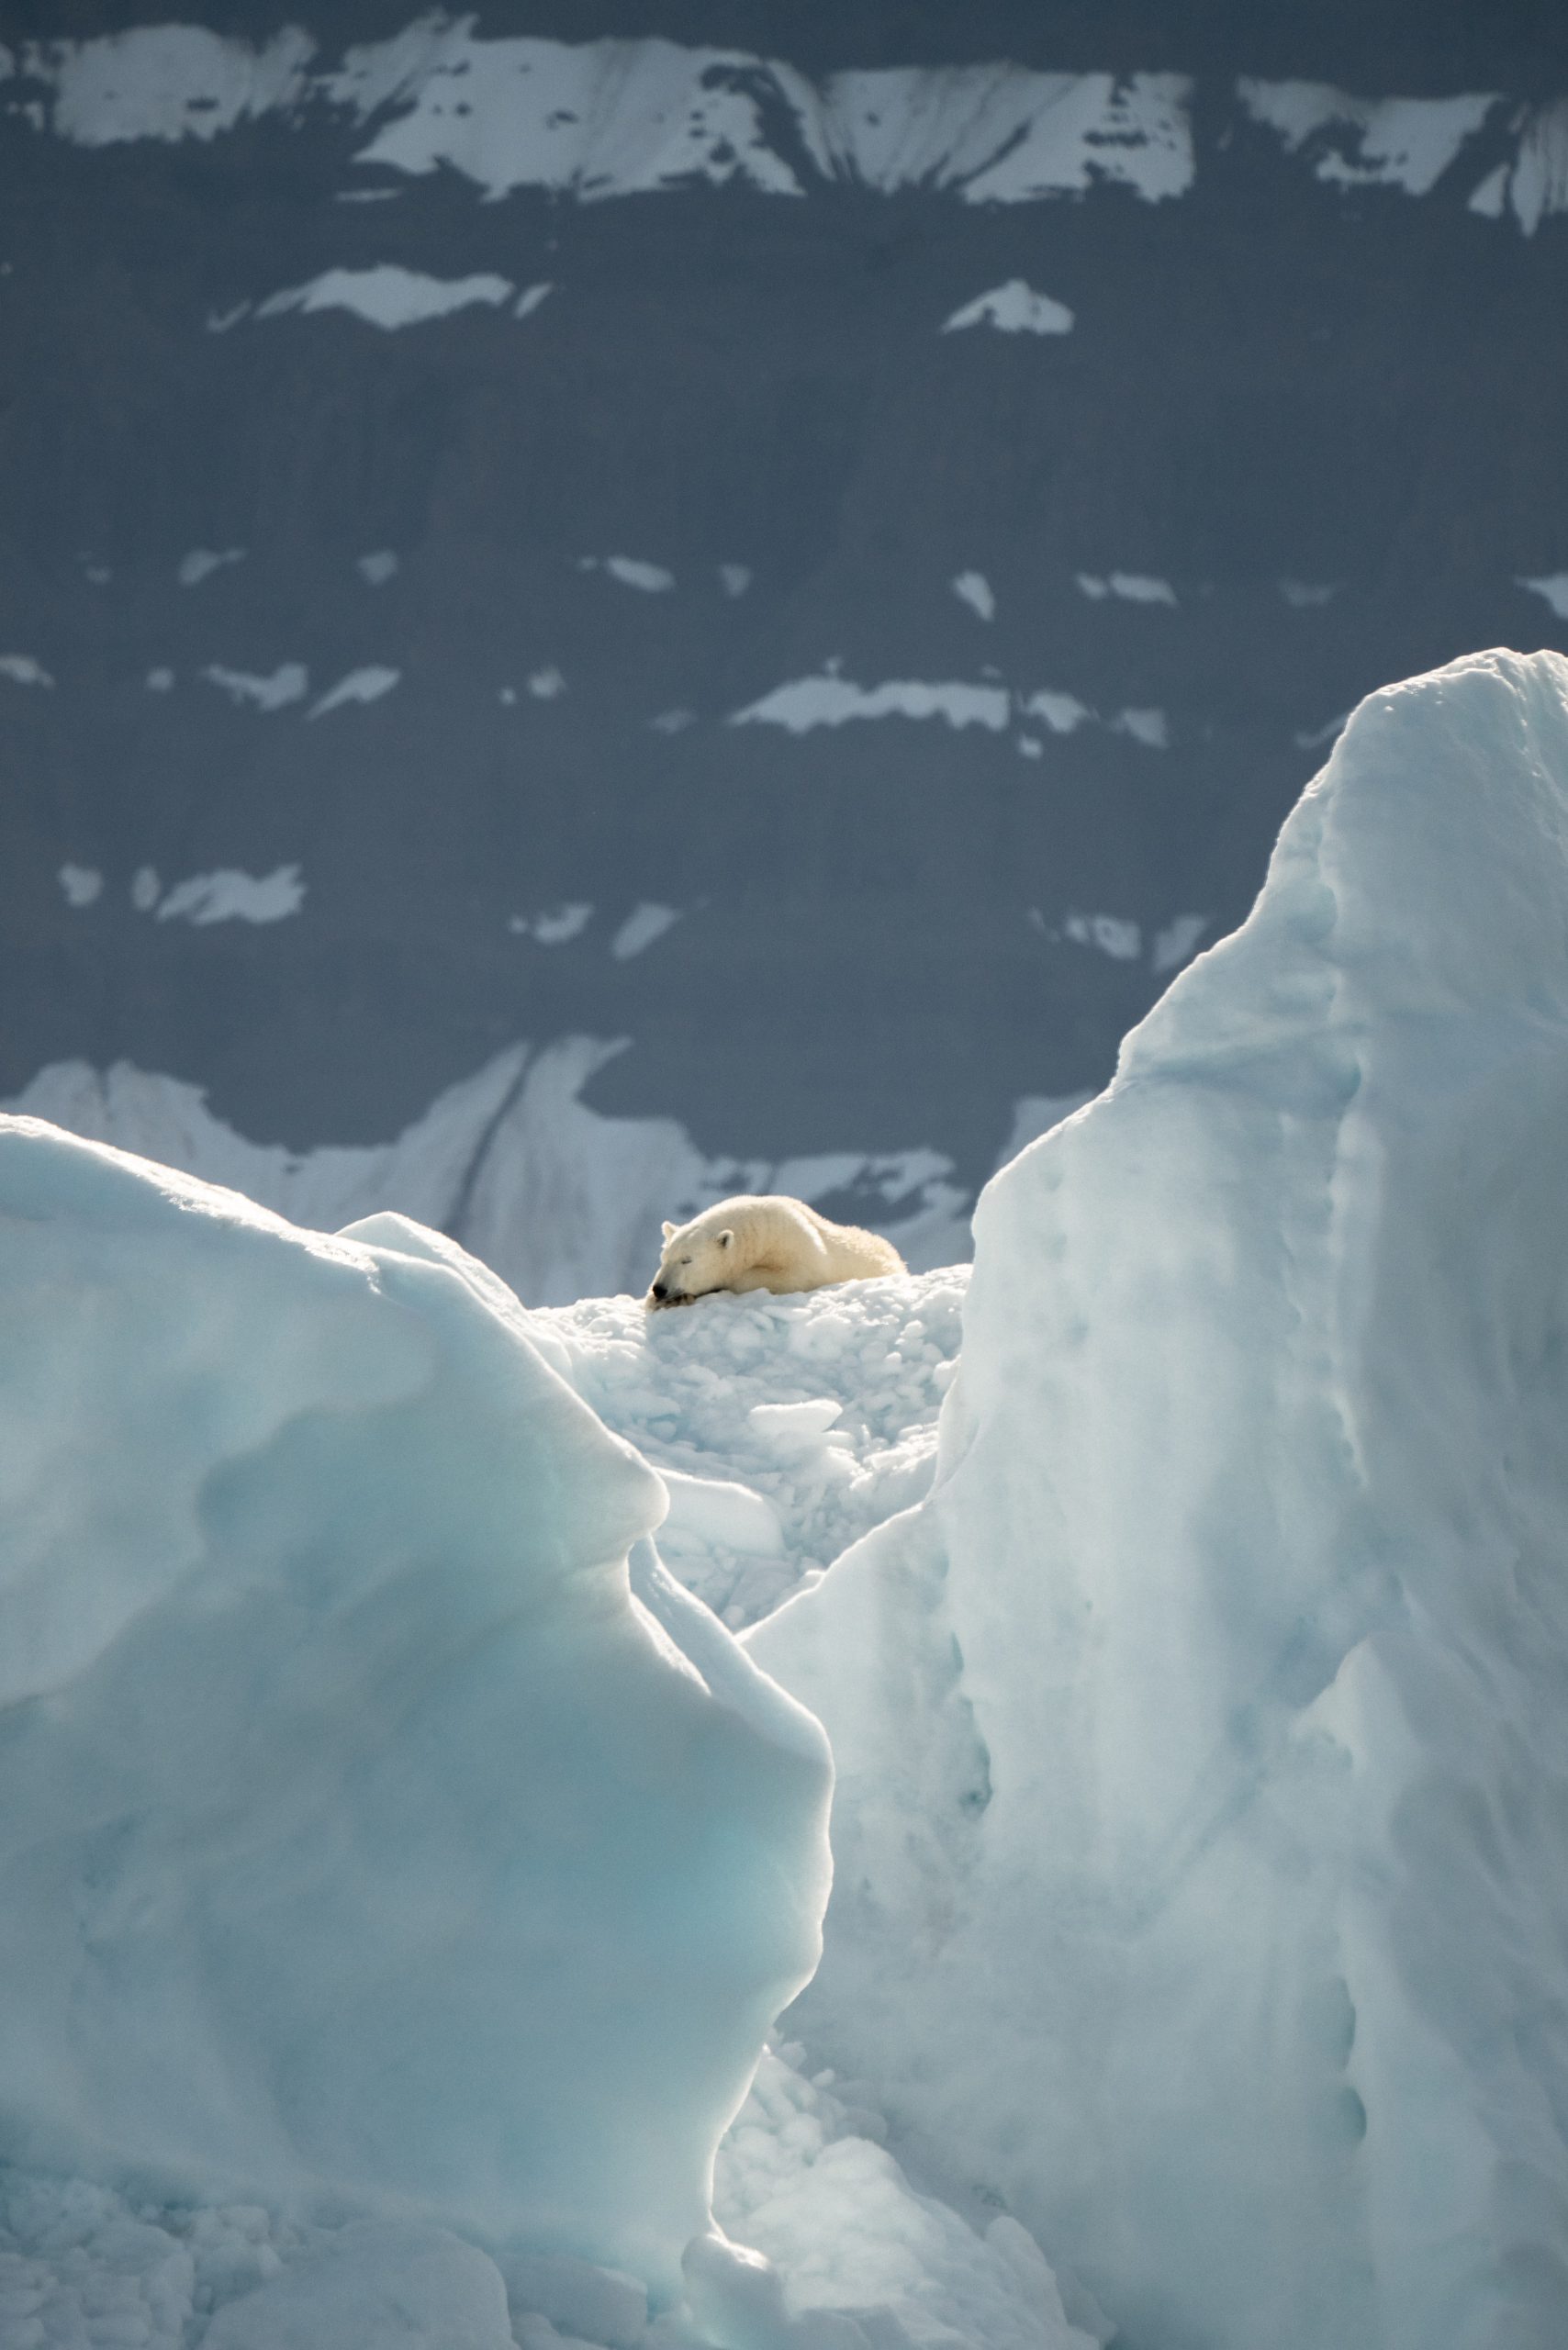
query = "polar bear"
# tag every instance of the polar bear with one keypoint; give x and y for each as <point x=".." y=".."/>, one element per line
<point x="769" y="1243"/>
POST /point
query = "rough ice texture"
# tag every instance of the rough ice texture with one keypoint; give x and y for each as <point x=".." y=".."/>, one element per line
<point x="802" y="2176"/>
<point x="367" y="1830"/>
<point x="785" y="1428"/>
<point x="1200" y="1843"/>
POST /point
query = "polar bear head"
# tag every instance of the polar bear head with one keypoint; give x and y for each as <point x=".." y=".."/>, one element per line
<point x="697" y="1258"/>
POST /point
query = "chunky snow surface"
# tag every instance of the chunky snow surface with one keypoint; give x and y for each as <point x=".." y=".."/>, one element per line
<point x="802" y="2177"/>
<point x="785" y="1428"/>
<point x="1199" y="1834"/>
<point x="363" y="1835"/>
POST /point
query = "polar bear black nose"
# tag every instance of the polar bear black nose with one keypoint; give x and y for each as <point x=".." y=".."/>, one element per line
<point x="659" y="1290"/>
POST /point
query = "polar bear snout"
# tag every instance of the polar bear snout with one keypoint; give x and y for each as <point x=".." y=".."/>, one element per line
<point x="662" y="1298"/>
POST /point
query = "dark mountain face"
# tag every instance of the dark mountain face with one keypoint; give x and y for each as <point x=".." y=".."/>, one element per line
<point x="835" y="582"/>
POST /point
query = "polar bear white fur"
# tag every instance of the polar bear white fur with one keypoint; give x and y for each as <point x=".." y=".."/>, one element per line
<point x="769" y="1243"/>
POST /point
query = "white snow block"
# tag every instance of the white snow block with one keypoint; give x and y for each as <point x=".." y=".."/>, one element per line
<point x="365" y="1844"/>
<point x="1202" y="1830"/>
<point x="375" y="2288"/>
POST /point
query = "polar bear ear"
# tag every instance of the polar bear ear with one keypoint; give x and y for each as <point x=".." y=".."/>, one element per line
<point x="670" y="1228"/>
<point x="726" y="1239"/>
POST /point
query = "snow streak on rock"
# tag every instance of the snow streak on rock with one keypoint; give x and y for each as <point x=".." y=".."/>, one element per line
<point x="1553" y="590"/>
<point x="164" y="82"/>
<point x="1363" y="142"/>
<point x="344" y="1617"/>
<point x="1131" y="587"/>
<point x="228" y="895"/>
<point x="389" y="296"/>
<point x="829" y="700"/>
<point x="610" y="118"/>
<point x="82" y="885"/>
<point x="290" y="682"/>
<point x="1013" y="309"/>
<point x="366" y="685"/>
<point x="625" y="118"/>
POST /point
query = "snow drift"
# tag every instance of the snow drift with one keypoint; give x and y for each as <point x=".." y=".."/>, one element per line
<point x="363" y="1834"/>
<point x="1202" y="1836"/>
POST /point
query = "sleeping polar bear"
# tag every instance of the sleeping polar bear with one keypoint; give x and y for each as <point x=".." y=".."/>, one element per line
<point x="764" y="1243"/>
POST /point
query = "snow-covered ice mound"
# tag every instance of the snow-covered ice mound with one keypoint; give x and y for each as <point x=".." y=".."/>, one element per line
<point x="1202" y="1830"/>
<point x="785" y="1428"/>
<point x="361" y="1834"/>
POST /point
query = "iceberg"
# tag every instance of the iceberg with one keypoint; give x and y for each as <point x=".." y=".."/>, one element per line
<point x="376" y="1840"/>
<point x="1201" y="1834"/>
<point x="399" y="1866"/>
